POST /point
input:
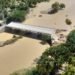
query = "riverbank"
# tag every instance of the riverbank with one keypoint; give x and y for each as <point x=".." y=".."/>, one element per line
<point x="20" y="54"/>
<point x="57" y="20"/>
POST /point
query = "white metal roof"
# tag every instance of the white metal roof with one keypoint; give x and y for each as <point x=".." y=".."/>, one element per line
<point x="30" y="28"/>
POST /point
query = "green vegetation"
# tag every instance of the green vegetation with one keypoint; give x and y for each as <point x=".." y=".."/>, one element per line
<point x="4" y="4"/>
<point x="17" y="16"/>
<point x="70" y="70"/>
<point x="68" y="21"/>
<point x="11" y="9"/>
<point x="71" y="41"/>
<point x="56" y="7"/>
<point x="54" y="57"/>
<point x="32" y="71"/>
<point x="47" y="38"/>
<point x="71" y="38"/>
<point x="62" y="5"/>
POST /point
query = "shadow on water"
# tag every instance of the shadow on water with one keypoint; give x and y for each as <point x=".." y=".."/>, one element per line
<point x="10" y="41"/>
<point x="30" y="34"/>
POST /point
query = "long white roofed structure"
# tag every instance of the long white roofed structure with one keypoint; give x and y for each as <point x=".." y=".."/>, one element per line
<point x="31" y="28"/>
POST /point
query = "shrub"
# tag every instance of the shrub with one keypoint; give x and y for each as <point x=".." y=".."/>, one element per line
<point x="62" y="5"/>
<point x="15" y="73"/>
<point x="47" y="38"/>
<point x="70" y="70"/>
<point x="58" y="55"/>
<point x="23" y="6"/>
<point x="72" y="60"/>
<point x="68" y="21"/>
<point x="31" y="71"/>
<point x="58" y="51"/>
<point x="55" y="6"/>
<point x="71" y="41"/>
<point x="16" y="15"/>
<point x="45" y="65"/>
<point x="71" y="38"/>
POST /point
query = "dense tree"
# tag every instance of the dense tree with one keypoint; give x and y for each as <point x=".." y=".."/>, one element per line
<point x="52" y="59"/>
<point x="17" y="16"/>
<point x="57" y="56"/>
<point x="16" y="5"/>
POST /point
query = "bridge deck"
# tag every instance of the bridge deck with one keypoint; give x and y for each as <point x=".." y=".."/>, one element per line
<point x="30" y="28"/>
